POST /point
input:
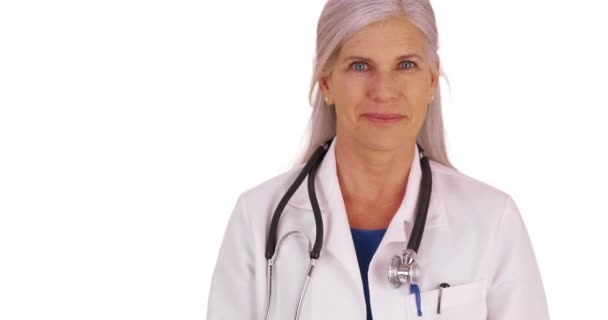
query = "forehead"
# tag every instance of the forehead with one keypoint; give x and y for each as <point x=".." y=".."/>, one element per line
<point x="392" y="36"/>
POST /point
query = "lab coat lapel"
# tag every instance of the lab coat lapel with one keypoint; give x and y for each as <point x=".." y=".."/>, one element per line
<point x="337" y="238"/>
<point x="402" y="222"/>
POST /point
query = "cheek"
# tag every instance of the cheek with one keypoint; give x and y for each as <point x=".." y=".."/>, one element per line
<point x="416" y="92"/>
<point x="350" y="91"/>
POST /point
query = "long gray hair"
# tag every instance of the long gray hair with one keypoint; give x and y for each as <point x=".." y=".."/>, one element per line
<point x="339" y="20"/>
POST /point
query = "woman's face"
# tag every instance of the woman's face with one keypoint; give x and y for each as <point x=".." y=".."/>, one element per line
<point x="381" y="72"/>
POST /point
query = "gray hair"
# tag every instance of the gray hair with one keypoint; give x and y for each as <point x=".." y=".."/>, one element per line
<point x="339" y="20"/>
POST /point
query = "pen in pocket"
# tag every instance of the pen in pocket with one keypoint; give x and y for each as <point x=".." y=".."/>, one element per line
<point x="441" y="286"/>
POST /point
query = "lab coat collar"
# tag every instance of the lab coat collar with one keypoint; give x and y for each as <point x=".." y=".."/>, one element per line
<point x="337" y="235"/>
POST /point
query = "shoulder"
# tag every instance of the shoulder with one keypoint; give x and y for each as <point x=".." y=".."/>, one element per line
<point x="460" y="190"/>
<point x="270" y="191"/>
<point x="457" y="181"/>
<point x="274" y="183"/>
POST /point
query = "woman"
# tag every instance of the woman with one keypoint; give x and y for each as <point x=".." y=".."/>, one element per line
<point x="377" y="107"/>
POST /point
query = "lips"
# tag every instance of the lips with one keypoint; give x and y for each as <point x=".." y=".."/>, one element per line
<point x="382" y="118"/>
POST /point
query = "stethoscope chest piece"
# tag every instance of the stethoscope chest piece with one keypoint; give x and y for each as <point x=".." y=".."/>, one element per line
<point x="403" y="269"/>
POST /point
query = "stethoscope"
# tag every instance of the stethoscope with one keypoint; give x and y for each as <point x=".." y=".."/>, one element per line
<point x="402" y="269"/>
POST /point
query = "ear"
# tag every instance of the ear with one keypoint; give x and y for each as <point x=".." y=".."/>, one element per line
<point x="324" y="85"/>
<point x="435" y="78"/>
<point x="436" y="74"/>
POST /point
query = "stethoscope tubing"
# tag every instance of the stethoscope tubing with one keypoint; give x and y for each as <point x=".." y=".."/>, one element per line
<point x="309" y="169"/>
<point x="424" y="199"/>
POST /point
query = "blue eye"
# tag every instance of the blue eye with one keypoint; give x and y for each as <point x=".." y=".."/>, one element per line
<point x="357" y="63"/>
<point x="410" y="62"/>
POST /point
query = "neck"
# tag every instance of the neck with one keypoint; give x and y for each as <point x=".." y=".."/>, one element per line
<point x="371" y="177"/>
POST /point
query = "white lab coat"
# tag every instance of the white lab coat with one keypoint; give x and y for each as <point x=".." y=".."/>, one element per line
<point x="475" y="240"/>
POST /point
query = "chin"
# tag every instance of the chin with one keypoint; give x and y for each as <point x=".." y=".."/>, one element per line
<point x="383" y="142"/>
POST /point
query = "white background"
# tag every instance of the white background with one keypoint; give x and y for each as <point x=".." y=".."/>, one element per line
<point x="128" y="129"/>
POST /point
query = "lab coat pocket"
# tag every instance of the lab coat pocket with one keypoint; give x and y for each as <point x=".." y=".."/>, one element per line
<point x="458" y="302"/>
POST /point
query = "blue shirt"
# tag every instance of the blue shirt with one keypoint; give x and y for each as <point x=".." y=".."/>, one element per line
<point x="366" y="242"/>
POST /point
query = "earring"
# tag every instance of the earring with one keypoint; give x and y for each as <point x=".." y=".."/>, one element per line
<point x="326" y="99"/>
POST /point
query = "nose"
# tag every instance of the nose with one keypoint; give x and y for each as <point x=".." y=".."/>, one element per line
<point x="383" y="87"/>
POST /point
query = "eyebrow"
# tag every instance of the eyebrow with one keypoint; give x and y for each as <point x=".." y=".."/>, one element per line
<point x="404" y="56"/>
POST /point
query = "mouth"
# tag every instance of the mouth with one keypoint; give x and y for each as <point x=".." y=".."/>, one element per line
<point x="383" y="118"/>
